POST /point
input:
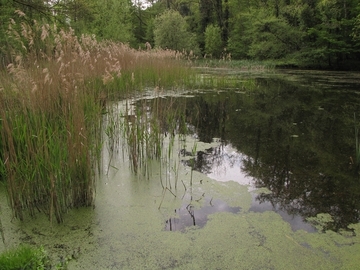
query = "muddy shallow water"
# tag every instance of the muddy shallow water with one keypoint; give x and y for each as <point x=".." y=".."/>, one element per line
<point x="263" y="191"/>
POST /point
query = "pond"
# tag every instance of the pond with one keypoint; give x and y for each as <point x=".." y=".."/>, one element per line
<point x="266" y="177"/>
<point x="293" y="136"/>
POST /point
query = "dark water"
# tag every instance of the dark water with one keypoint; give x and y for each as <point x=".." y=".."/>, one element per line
<point x="293" y="133"/>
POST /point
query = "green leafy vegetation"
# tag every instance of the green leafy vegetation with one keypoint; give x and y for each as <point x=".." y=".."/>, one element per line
<point x="294" y="33"/>
<point x="170" y="32"/>
<point x="213" y="43"/>
<point x="26" y="258"/>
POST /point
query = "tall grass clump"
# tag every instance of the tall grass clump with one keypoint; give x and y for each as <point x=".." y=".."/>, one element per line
<point x="48" y="133"/>
<point x="51" y="98"/>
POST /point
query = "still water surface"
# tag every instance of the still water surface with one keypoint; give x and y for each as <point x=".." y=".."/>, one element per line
<point x="274" y="169"/>
<point x="292" y="133"/>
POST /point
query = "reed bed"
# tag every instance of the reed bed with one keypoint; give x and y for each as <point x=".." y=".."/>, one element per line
<point x="150" y="129"/>
<point x="143" y="134"/>
<point x="52" y="96"/>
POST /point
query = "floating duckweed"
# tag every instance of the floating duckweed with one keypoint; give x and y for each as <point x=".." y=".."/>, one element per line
<point x="321" y="221"/>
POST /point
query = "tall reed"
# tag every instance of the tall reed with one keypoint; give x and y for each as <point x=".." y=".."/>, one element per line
<point x="143" y="136"/>
<point x="51" y="99"/>
<point x="149" y="129"/>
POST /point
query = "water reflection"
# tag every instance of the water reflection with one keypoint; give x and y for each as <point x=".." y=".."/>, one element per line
<point x="295" y="139"/>
<point x="188" y="215"/>
<point x="222" y="163"/>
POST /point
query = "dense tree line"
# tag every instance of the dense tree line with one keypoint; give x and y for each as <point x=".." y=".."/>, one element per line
<point x="307" y="33"/>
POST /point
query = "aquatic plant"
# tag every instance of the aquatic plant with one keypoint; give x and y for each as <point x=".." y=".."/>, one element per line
<point x="52" y="98"/>
<point x="150" y="128"/>
<point x="144" y="133"/>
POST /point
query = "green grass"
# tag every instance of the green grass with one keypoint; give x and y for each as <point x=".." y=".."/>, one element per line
<point x="24" y="257"/>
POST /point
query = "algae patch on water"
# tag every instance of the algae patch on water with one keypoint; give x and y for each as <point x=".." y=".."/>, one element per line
<point x="131" y="215"/>
<point x="126" y="230"/>
<point x="130" y="229"/>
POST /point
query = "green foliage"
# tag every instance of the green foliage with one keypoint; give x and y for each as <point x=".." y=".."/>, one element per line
<point x="80" y="15"/>
<point x="7" y="11"/>
<point x="149" y="36"/>
<point x="307" y="33"/>
<point x="301" y="33"/>
<point x="171" y="33"/>
<point x="273" y="38"/>
<point x="213" y="42"/>
<point x="113" y="21"/>
<point x="25" y="258"/>
<point x="212" y="12"/>
<point x="240" y="40"/>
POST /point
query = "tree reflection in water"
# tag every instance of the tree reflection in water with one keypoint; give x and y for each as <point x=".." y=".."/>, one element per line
<point x="295" y="139"/>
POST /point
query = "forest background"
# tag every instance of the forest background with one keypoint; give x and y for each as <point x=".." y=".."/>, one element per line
<point x="291" y="33"/>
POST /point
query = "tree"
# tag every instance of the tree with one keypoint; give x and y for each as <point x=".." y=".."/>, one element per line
<point x="240" y="21"/>
<point x="213" y="42"/>
<point x="170" y="32"/>
<point x="21" y="17"/>
<point x="113" y="20"/>
<point x="214" y="12"/>
<point x="316" y="33"/>
<point x="7" y="11"/>
<point x="328" y="41"/>
<point x="355" y="34"/>
<point x="312" y="33"/>
<point x="79" y="14"/>
<point x="273" y="38"/>
<point x="139" y="21"/>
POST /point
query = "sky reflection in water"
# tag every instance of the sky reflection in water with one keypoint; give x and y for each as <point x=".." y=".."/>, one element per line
<point x="228" y="168"/>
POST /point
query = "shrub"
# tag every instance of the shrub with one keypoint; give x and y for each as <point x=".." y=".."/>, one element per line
<point x="170" y="32"/>
<point x="213" y="42"/>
